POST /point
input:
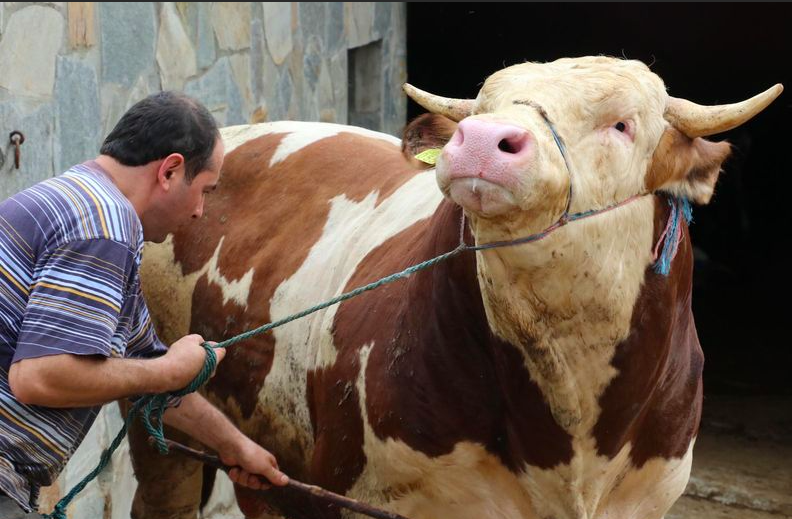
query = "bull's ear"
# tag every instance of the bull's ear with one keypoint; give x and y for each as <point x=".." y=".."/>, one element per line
<point x="686" y="167"/>
<point x="426" y="131"/>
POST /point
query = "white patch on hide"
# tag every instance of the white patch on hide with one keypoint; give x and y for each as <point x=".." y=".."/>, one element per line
<point x="467" y="483"/>
<point x="592" y="486"/>
<point x="300" y="135"/>
<point x="352" y="231"/>
<point x="236" y="290"/>
<point x="169" y="292"/>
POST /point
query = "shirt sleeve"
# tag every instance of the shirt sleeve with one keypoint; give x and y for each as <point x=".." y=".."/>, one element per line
<point x="144" y="342"/>
<point x="75" y="301"/>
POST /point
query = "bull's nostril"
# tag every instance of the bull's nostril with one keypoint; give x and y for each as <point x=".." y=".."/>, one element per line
<point x="512" y="144"/>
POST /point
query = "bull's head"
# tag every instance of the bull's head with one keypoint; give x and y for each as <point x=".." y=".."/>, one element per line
<point x="623" y="135"/>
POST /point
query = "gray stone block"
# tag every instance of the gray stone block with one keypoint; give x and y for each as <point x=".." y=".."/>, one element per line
<point x="359" y="19"/>
<point x="216" y="89"/>
<point x="205" y="39"/>
<point x="312" y="16"/>
<point x="382" y="18"/>
<point x="339" y="77"/>
<point x="79" y="116"/>
<point x="175" y="53"/>
<point x="28" y="50"/>
<point x="231" y="23"/>
<point x="312" y="62"/>
<point x="128" y="32"/>
<point x="335" y="27"/>
<point x="277" y="30"/>
<point x="279" y="108"/>
<point x="257" y="55"/>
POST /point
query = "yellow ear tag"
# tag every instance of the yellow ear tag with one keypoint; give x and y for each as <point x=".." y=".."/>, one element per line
<point x="429" y="156"/>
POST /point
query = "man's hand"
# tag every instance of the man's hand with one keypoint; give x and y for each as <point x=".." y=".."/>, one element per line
<point x="204" y="422"/>
<point x="250" y="460"/>
<point x="184" y="360"/>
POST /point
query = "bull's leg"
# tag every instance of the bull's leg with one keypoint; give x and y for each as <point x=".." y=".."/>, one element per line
<point x="169" y="487"/>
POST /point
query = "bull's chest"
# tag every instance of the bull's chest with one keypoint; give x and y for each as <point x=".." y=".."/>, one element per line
<point x="470" y="483"/>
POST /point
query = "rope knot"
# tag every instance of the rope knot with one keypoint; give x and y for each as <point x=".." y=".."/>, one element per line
<point x="158" y="404"/>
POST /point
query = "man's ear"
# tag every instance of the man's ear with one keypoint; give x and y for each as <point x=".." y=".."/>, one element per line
<point x="425" y="132"/>
<point x="686" y="167"/>
<point x="169" y="169"/>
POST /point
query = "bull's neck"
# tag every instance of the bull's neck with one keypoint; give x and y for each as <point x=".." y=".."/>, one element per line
<point x="566" y="301"/>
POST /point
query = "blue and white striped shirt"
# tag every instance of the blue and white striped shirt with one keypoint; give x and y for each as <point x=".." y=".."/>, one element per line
<point x="70" y="251"/>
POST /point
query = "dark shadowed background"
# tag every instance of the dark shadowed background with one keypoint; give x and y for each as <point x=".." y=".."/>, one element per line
<point x="710" y="53"/>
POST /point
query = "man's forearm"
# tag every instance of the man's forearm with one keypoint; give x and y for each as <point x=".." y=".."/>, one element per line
<point x="81" y="381"/>
<point x="197" y="417"/>
<point x="204" y="422"/>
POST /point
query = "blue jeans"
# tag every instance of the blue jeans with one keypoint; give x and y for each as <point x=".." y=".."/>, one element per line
<point x="9" y="509"/>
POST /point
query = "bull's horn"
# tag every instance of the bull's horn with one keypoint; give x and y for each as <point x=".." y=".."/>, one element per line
<point x="699" y="121"/>
<point x="454" y="109"/>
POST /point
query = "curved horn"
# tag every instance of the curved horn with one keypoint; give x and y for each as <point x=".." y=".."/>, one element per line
<point x="699" y="121"/>
<point x="454" y="109"/>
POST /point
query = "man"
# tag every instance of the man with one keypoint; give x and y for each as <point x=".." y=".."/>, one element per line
<point x="75" y="332"/>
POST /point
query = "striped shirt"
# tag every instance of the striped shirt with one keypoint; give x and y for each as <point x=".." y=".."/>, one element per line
<point x="70" y="251"/>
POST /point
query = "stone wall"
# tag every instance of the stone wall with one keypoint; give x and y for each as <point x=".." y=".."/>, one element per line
<point x="69" y="70"/>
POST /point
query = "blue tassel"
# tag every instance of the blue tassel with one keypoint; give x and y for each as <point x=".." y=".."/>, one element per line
<point x="679" y="207"/>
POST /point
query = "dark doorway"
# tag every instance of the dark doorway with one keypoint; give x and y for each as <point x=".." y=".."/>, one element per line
<point x="708" y="53"/>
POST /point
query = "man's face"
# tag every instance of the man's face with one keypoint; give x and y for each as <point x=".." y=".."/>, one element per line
<point x="188" y="199"/>
<point x="184" y="200"/>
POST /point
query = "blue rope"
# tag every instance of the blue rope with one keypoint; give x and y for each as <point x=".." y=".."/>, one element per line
<point x="680" y="207"/>
<point x="59" y="512"/>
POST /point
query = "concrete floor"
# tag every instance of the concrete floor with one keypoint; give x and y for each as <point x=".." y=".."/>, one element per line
<point x="742" y="461"/>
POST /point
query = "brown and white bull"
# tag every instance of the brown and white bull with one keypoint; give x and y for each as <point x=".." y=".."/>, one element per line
<point x="559" y="379"/>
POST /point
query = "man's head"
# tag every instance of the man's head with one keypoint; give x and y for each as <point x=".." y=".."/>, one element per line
<point x="162" y="124"/>
<point x="175" y="139"/>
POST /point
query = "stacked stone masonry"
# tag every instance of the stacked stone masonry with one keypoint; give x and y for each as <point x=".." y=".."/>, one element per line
<point x="68" y="70"/>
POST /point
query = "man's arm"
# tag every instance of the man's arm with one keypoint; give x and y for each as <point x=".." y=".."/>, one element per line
<point x="79" y="381"/>
<point x="204" y="422"/>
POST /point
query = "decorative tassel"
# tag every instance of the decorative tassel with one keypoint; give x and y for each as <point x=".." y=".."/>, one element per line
<point x="672" y="235"/>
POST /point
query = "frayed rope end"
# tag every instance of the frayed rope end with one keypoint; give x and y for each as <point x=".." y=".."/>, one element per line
<point x="673" y="233"/>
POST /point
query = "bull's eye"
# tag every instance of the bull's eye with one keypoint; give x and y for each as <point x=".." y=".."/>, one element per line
<point x="620" y="126"/>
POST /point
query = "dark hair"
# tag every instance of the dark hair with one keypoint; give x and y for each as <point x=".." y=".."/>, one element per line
<point x="161" y="124"/>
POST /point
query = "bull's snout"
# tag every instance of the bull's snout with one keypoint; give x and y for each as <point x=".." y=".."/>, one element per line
<point x="482" y="165"/>
<point x="491" y="151"/>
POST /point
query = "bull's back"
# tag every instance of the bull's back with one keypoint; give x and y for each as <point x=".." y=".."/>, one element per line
<point x="298" y="207"/>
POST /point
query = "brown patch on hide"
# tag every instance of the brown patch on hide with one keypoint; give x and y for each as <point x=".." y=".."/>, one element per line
<point x="436" y="375"/>
<point x="654" y="402"/>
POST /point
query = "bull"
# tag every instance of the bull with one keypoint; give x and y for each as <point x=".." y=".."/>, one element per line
<point x="560" y="378"/>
